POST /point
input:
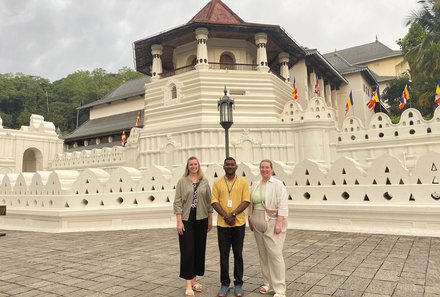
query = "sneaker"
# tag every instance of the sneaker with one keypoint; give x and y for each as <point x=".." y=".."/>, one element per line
<point x="223" y="291"/>
<point x="279" y="295"/>
<point x="238" y="291"/>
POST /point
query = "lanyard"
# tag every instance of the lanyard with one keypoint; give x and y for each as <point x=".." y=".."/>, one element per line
<point x="227" y="186"/>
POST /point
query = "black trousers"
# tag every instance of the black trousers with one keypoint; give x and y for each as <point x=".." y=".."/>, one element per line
<point x="231" y="237"/>
<point x="193" y="247"/>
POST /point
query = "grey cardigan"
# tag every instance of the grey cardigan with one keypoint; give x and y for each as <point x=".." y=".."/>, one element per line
<point x="184" y="196"/>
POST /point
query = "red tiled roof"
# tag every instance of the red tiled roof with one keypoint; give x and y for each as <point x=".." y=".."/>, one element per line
<point x="216" y="12"/>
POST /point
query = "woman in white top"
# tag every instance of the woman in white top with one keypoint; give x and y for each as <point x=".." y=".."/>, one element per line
<point x="268" y="219"/>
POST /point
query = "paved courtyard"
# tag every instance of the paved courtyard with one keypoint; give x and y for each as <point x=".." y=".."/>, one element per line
<point x="146" y="263"/>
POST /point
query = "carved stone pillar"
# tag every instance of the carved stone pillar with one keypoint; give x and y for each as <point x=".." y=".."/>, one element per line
<point x="283" y="58"/>
<point x="156" y="69"/>
<point x="202" y="48"/>
<point x="261" y="41"/>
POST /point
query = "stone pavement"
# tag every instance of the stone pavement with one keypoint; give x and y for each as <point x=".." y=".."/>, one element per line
<point x="146" y="263"/>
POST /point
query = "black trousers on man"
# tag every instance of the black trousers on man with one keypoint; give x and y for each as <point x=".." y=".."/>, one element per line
<point x="231" y="237"/>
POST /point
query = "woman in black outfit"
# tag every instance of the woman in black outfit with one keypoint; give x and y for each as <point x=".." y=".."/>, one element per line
<point x="193" y="210"/>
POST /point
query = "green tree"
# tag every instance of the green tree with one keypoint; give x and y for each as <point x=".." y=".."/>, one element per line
<point x="393" y="93"/>
<point x="422" y="51"/>
<point x="22" y="95"/>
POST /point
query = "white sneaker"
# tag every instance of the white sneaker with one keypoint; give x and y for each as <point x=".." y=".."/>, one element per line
<point x="279" y="295"/>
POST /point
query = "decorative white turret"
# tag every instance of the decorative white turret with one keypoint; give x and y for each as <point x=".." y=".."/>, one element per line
<point x="261" y="41"/>
<point x="202" y="48"/>
<point x="283" y="58"/>
<point x="156" y="51"/>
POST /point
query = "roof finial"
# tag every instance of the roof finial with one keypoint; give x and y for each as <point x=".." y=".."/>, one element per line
<point x="376" y="38"/>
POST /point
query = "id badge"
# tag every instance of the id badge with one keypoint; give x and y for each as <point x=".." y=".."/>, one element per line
<point x="229" y="203"/>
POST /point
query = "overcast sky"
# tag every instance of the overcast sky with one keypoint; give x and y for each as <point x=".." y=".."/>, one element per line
<point x="53" y="38"/>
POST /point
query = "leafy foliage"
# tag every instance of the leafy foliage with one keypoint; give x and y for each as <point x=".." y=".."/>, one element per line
<point x="421" y="47"/>
<point x="22" y="95"/>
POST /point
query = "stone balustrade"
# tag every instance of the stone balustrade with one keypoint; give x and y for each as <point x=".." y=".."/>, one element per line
<point x="386" y="197"/>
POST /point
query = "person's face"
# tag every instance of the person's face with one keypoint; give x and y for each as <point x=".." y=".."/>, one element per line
<point x="193" y="166"/>
<point x="265" y="170"/>
<point x="230" y="167"/>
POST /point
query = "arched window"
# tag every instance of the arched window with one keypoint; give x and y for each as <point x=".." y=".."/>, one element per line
<point x="226" y="61"/>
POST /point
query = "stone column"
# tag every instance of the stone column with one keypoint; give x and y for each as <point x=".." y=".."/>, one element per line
<point x="261" y="41"/>
<point x="156" y="69"/>
<point x="283" y="58"/>
<point x="202" y="48"/>
<point x="328" y="94"/>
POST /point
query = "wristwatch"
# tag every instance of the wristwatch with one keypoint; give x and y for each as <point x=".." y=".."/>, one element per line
<point x="234" y="214"/>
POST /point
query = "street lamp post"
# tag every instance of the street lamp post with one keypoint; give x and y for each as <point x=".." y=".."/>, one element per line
<point x="225" y="105"/>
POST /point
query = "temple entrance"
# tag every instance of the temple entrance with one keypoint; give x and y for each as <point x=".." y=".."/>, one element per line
<point x="32" y="160"/>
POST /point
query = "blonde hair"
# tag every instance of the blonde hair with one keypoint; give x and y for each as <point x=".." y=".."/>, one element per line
<point x="199" y="172"/>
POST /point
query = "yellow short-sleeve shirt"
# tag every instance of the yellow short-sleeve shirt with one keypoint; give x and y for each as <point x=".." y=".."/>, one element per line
<point x="236" y="190"/>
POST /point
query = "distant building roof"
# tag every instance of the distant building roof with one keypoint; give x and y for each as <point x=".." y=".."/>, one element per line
<point x="216" y="12"/>
<point x="106" y="126"/>
<point x="131" y="88"/>
<point x="382" y="78"/>
<point x="344" y="67"/>
<point x="324" y="67"/>
<point x="367" y="53"/>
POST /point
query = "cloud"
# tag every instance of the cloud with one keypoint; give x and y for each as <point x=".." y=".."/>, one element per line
<point x="53" y="38"/>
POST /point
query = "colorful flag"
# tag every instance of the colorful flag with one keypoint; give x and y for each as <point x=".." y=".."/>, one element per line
<point x="375" y="97"/>
<point x="437" y="93"/>
<point x="349" y="102"/>
<point x="317" y="91"/>
<point x="138" y="119"/>
<point x="372" y="103"/>
<point x="123" y="138"/>
<point x="405" y="96"/>
<point x="294" y="90"/>
<point x="377" y="94"/>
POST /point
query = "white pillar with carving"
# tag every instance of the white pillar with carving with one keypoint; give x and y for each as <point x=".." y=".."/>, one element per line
<point x="202" y="48"/>
<point x="261" y="41"/>
<point x="283" y="58"/>
<point x="156" y="69"/>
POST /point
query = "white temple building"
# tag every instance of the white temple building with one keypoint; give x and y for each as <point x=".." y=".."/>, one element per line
<point x="350" y="172"/>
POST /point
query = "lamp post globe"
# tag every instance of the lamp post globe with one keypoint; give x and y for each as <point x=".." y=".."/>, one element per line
<point x="225" y="106"/>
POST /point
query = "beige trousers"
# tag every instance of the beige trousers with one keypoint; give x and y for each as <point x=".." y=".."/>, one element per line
<point x="270" y="249"/>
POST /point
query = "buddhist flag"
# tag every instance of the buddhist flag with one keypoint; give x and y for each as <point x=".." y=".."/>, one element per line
<point x="317" y="91"/>
<point x="437" y="93"/>
<point x="123" y="138"/>
<point x="138" y="119"/>
<point x="377" y="95"/>
<point x="372" y="103"/>
<point x="405" y="96"/>
<point x="294" y="90"/>
<point x="349" y="103"/>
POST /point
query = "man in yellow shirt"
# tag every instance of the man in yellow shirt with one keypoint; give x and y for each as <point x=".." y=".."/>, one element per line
<point x="230" y="197"/>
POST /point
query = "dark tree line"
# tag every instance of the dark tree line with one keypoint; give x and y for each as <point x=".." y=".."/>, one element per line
<point x="22" y="95"/>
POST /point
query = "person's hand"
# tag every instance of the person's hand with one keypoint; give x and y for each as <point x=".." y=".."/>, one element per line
<point x="180" y="228"/>
<point x="250" y="224"/>
<point x="209" y="225"/>
<point x="278" y="227"/>
<point x="229" y="219"/>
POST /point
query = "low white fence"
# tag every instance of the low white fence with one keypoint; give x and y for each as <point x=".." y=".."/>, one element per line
<point x="384" y="198"/>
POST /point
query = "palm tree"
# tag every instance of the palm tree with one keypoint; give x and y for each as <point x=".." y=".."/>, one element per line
<point x="424" y="57"/>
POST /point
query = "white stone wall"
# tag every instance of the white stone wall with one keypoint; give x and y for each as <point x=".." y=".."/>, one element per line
<point x="411" y="137"/>
<point x="385" y="198"/>
<point x="38" y="140"/>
